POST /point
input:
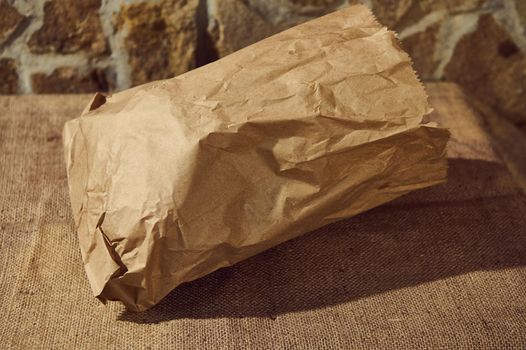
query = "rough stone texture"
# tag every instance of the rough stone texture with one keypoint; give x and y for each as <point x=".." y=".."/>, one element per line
<point x="10" y="20"/>
<point x="70" y="80"/>
<point x="520" y="5"/>
<point x="389" y="12"/>
<point x="8" y="76"/>
<point x="489" y="65"/>
<point x="161" y="40"/>
<point x="399" y="14"/>
<point x="236" y="26"/>
<point x="70" y="26"/>
<point x="239" y="23"/>
<point x="317" y="3"/>
<point x="421" y="47"/>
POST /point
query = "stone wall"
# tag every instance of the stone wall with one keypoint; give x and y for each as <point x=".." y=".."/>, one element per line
<point x="52" y="46"/>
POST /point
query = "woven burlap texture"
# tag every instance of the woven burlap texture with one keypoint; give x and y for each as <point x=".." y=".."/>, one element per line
<point x="443" y="267"/>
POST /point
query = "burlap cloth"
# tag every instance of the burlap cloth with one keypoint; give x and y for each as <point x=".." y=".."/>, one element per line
<point x="440" y="268"/>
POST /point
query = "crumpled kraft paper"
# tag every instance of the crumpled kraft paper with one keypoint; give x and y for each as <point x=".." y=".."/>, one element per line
<point x="174" y="179"/>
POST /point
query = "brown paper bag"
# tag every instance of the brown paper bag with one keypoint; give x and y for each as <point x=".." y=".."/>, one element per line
<point x="172" y="180"/>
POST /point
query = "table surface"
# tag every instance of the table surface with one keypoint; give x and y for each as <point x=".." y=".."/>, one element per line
<point x="449" y="273"/>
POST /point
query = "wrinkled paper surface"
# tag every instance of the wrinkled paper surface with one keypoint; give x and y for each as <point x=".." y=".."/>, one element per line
<point x="174" y="179"/>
